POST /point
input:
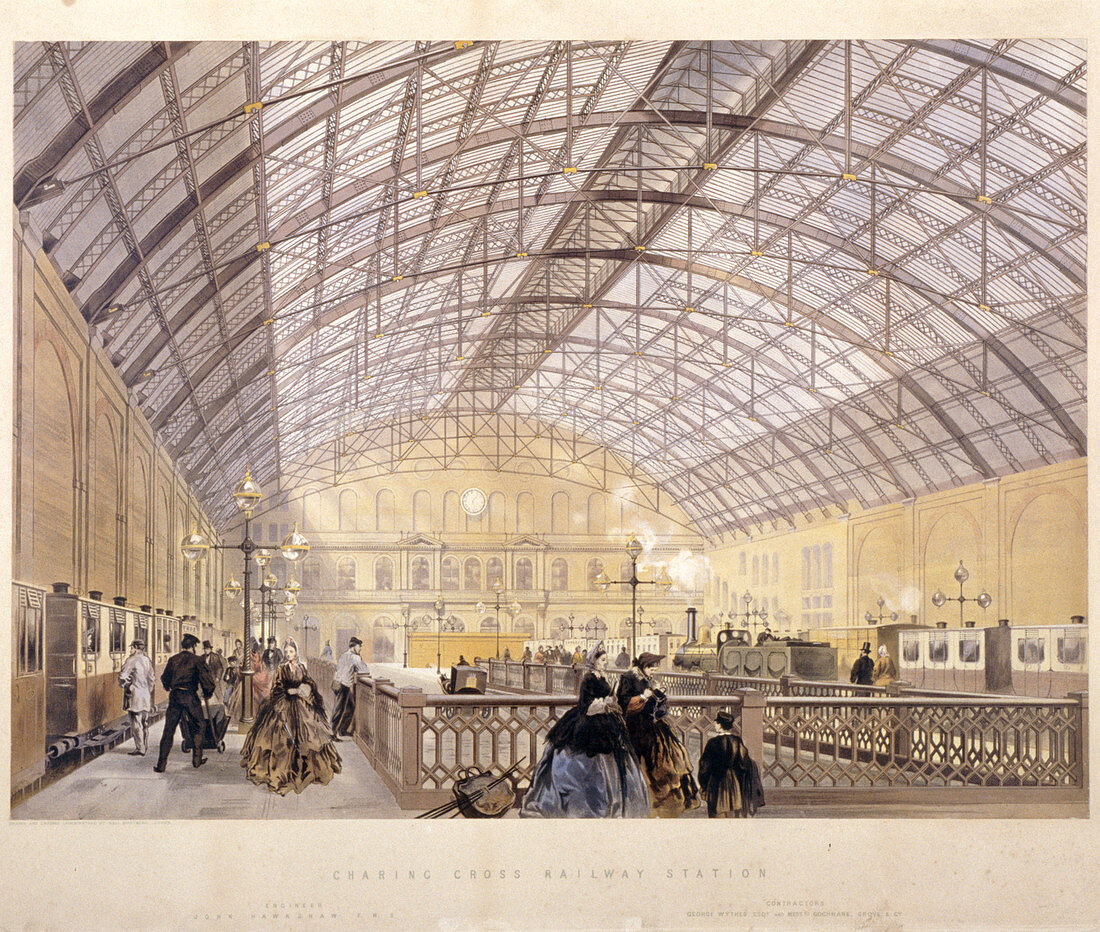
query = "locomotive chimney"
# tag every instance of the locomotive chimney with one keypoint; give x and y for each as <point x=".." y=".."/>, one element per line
<point x="691" y="623"/>
<point x="941" y="624"/>
<point x="60" y="588"/>
<point x="1002" y="622"/>
<point x="1076" y="619"/>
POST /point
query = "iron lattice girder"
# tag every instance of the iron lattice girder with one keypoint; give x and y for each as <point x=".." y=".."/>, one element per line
<point x="1035" y="241"/>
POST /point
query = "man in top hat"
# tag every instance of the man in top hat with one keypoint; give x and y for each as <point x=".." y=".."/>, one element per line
<point x="348" y="667"/>
<point x="728" y="777"/>
<point x="185" y="674"/>
<point x="215" y="662"/>
<point x="863" y="667"/>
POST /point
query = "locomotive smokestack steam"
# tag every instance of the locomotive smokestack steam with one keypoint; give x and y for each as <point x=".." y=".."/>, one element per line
<point x="691" y="623"/>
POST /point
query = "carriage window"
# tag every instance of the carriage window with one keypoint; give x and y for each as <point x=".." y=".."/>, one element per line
<point x="91" y="629"/>
<point x="1071" y="650"/>
<point x="141" y="630"/>
<point x="969" y="650"/>
<point x="1031" y="650"/>
<point x="117" y="640"/>
<point x="937" y="651"/>
<point x="29" y="628"/>
<point x="910" y="650"/>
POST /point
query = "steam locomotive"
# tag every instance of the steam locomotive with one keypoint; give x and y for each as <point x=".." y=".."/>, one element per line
<point x="733" y="654"/>
<point x="68" y="650"/>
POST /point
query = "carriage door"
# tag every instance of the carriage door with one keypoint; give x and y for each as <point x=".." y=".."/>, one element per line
<point x="62" y="639"/>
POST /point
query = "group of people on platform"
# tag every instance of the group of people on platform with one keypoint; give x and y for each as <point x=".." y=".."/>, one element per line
<point x="615" y="755"/>
<point x="291" y="742"/>
<point x="562" y="655"/>
<point x="881" y="672"/>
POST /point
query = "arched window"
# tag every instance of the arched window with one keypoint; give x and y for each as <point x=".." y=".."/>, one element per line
<point x="311" y="509"/>
<point x="422" y="511"/>
<point x="827" y="567"/>
<point x="775" y="567"/>
<point x="755" y="570"/>
<point x="524" y="626"/>
<point x="384" y="511"/>
<point x="559" y="513"/>
<point x="595" y="567"/>
<point x="452" y="512"/>
<point x="742" y="561"/>
<point x="349" y="504"/>
<point x="421" y="572"/>
<point x="383" y="574"/>
<point x="805" y="567"/>
<point x="311" y="575"/>
<point x="596" y="517"/>
<point x="488" y="624"/>
<point x="725" y="595"/>
<point x="448" y="577"/>
<point x="559" y="575"/>
<point x="525" y="577"/>
<point x="817" y="567"/>
<point x="496" y="513"/>
<point x="471" y="573"/>
<point x="494" y="570"/>
<point x="345" y="573"/>
<point x="525" y="513"/>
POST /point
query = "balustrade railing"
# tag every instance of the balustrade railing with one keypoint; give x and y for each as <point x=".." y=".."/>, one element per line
<point x="880" y="747"/>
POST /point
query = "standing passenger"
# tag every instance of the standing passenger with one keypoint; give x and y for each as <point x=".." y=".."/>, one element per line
<point x="215" y="663"/>
<point x="863" y="668"/>
<point x="348" y="668"/>
<point x="885" y="672"/>
<point x="729" y="778"/>
<point x="138" y="678"/>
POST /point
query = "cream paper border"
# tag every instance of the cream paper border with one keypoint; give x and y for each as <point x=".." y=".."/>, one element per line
<point x="783" y="874"/>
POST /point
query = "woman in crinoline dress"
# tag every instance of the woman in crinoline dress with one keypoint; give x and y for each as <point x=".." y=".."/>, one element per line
<point x="672" y="785"/>
<point x="589" y="769"/>
<point x="290" y="744"/>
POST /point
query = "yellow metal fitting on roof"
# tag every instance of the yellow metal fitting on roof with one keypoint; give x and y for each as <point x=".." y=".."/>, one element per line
<point x="689" y="310"/>
<point x="637" y="352"/>
<point x="984" y="200"/>
<point x="270" y="371"/>
<point x="254" y="107"/>
<point x="398" y="278"/>
<point x="270" y="320"/>
<point x="872" y="271"/>
<point x="787" y="323"/>
<point x="639" y="248"/>
<point x="985" y="307"/>
<point x="847" y="176"/>
<point x="756" y="252"/>
<point x="521" y="255"/>
<point x="588" y="305"/>
<point x="377" y="335"/>
<point x="420" y="194"/>
<point x="710" y="166"/>
<point x="464" y="44"/>
<point x="569" y="170"/>
<point x="263" y="246"/>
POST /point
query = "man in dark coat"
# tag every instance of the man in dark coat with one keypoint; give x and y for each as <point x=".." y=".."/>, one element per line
<point x="863" y="667"/>
<point x="272" y="656"/>
<point x="729" y="778"/>
<point x="185" y="674"/>
<point x="214" y="661"/>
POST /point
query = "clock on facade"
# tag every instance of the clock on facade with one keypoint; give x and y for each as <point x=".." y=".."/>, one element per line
<point x="473" y="501"/>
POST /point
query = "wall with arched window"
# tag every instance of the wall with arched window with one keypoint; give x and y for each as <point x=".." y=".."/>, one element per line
<point x="594" y="568"/>
<point x="559" y="575"/>
<point x="560" y="514"/>
<point x="525" y="513"/>
<point x="496" y="511"/>
<point x="345" y="573"/>
<point x="597" y="515"/>
<point x="494" y="572"/>
<point x="471" y="574"/>
<point x="422" y="511"/>
<point x="383" y="574"/>
<point x="420" y="573"/>
<point x="384" y="508"/>
<point x="452" y="512"/>
<point x="525" y="575"/>
<point x="349" y="507"/>
<point x="448" y="574"/>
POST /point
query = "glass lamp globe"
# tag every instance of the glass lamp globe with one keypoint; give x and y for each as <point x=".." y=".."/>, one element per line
<point x="295" y="546"/>
<point x="498" y="586"/>
<point x="439" y="605"/>
<point x="985" y="599"/>
<point x="247" y="494"/>
<point x="271" y="580"/>
<point x="603" y="581"/>
<point x="938" y="598"/>
<point x="194" y="546"/>
<point x="663" y="580"/>
<point x="480" y="608"/>
<point x="232" y="588"/>
<point x="294" y="586"/>
<point x="262" y="557"/>
<point x="763" y="613"/>
<point x="867" y="616"/>
<point x="634" y="547"/>
<point x="893" y="616"/>
<point x="961" y="574"/>
<point x="747" y="599"/>
<point x="515" y="607"/>
<point x="291" y="599"/>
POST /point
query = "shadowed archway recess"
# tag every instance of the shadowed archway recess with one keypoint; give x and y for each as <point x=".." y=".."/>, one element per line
<point x="773" y="278"/>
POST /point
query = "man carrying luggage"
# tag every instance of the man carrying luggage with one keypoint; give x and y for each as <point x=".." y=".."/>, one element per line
<point x="185" y="674"/>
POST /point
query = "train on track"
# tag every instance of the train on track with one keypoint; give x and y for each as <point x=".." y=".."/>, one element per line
<point x="67" y="653"/>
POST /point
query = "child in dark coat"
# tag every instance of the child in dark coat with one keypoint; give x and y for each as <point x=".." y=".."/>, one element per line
<point x="728" y="777"/>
